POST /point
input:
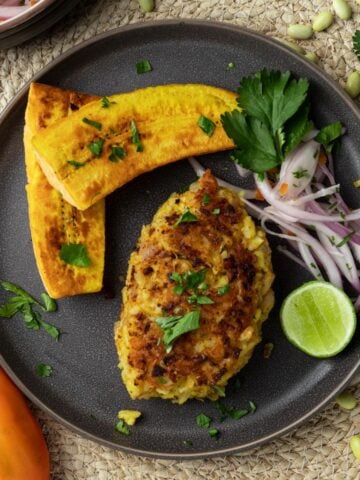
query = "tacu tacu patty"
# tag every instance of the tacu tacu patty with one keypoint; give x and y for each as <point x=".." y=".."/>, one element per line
<point x="235" y="260"/>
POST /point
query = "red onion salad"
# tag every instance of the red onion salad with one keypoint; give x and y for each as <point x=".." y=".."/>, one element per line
<point x="304" y="202"/>
<point x="12" y="8"/>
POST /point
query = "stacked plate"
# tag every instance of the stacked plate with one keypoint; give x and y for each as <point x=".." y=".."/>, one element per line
<point x="31" y="21"/>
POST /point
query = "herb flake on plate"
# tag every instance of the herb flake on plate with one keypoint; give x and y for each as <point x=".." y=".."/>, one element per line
<point x="43" y="370"/>
<point x="135" y="137"/>
<point x="92" y="123"/>
<point x="144" y="66"/>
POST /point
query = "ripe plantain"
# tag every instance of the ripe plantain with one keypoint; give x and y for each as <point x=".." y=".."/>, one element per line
<point x="53" y="221"/>
<point x="166" y="120"/>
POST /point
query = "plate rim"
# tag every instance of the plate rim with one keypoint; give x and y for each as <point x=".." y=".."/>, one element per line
<point x="20" y="97"/>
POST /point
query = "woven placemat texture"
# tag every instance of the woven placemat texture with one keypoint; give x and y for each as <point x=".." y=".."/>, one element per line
<point x="320" y="448"/>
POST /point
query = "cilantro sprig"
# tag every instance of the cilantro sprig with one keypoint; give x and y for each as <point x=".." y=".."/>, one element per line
<point x="186" y="217"/>
<point x="25" y="304"/>
<point x="272" y="120"/>
<point x="193" y="283"/>
<point x="75" y="254"/>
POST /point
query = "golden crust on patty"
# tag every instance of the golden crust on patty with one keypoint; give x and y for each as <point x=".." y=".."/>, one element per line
<point x="53" y="221"/>
<point x="233" y="251"/>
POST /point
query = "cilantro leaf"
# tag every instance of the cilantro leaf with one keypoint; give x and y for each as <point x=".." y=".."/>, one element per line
<point x="356" y="43"/>
<point x="272" y="121"/>
<point x="272" y="97"/>
<point x="76" y="164"/>
<point x="53" y="331"/>
<point x="213" y="432"/>
<point x="117" y="153"/>
<point x="105" y="102"/>
<point x="206" y="125"/>
<point x="8" y="310"/>
<point x="186" y="217"/>
<point x="50" y="304"/>
<point x="44" y="370"/>
<point x="96" y="147"/>
<point x="75" y="254"/>
<point x="174" y="327"/>
<point x="11" y="287"/>
<point x="92" y="123"/>
<point x="144" y="66"/>
<point x="206" y="199"/>
<point x="135" y="137"/>
<point x="199" y="299"/>
<point x="122" y="427"/>
<point x="330" y="133"/>
<point x="203" y="420"/>
<point x="296" y="128"/>
<point x="256" y="148"/>
<point x="223" y="290"/>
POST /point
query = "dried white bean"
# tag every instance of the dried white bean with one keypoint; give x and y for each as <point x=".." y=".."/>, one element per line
<point x="342" y="9"/>
<point x="353" y="84"/>
<point x="300" y="31"/>
<point x="323" y="20"/>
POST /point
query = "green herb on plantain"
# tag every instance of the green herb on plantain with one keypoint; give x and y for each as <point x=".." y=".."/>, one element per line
<point x="106" y="103"/>
<point x="75" y="254"/>
<point x="96" y="147"/>
<point x="76" y="164"/>
<point x="135" y="136"/>
<point x="206" y="125"/>
<point x="117" y="153"/>
<point x="92" y="123"/>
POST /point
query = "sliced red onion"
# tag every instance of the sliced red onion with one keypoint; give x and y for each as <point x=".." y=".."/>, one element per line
<point x="310" y="261"/>
<point x="324" y="192"/>
<point x="298" y="214"/>
<point x="243" y="172"/>
<point x="292" y="256"/>
<point x="302" y="162"/>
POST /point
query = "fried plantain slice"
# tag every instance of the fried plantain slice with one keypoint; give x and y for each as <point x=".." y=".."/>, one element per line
<point x="118" y="138"/>
<point x="53" y="221"/>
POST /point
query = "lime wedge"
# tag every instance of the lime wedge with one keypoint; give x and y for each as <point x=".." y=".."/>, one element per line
<point x="318" y="318"/>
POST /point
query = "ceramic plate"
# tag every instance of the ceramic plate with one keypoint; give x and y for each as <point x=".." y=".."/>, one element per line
<point x="85" y="391"/>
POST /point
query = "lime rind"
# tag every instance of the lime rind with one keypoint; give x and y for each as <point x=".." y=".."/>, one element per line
<point x="318" y="318"/>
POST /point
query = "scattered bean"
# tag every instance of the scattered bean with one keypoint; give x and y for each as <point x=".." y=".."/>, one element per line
<point x="323" y="20"/>
<point x="346" y="400"/>
<point x="293" y="45"/>
<point x="312" y="57"/>
<point x="353" y="84"/>
<point x="342" y="9"/>
<point x="147" y="5"/>
<point x="355" y="446"/>
<point x="300" y="32"/>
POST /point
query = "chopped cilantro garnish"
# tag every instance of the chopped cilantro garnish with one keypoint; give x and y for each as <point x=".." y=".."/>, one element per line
<point x="117" y="153"/>
<point x="229" y="412"/>
<point x="329" y="134"/>
<point x="75" y="254"/>
<point x="161" y="380"/>
<point x="187" y="443"/>
<point x="237" y="384"/>
<point x="96" y="147"/>
<point x="272" y="121"/>
<point x="44" y="370"/>
<point x="345" y="239"/>
<point x="216" y="211"/>
<point x="105" y="102"/>
<point x="186" y="217"/>
<point x="231" y="65"/>
<point x="213" y="432"/>
<point x="301" y="173"/>
<point x="199" y="299"/>
<point x="223" y="290"/>
<point x="252" y="407"/>
<point x="189" y="281"/>
<point x="206" y="125"/>
<point x="268" y="348"/>
<point x="206" y="199"/>
<point x="356" y="43"/>
<point x="135" y="136"/>
<point x="203" y="421"/>
<point x="76" y="164"/>
<point x="92" y="123"/>
<point x="143" y="67"/>
<point x="174" y="327"/>
<point x="122" y="427"/>
<point x="219" y="390"/>
<point x="22" y="302"/>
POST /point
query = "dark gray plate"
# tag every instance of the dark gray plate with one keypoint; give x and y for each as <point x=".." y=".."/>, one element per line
<point x="85" y="391"/>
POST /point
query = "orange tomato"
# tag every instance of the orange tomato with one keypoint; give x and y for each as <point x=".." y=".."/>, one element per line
<point x="23" y="451"/>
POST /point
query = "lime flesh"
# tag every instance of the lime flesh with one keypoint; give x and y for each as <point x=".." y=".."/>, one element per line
<point x="318" y="318"/>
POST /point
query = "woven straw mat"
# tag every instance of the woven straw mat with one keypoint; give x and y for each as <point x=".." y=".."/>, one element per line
<point x="320" y="448"/>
